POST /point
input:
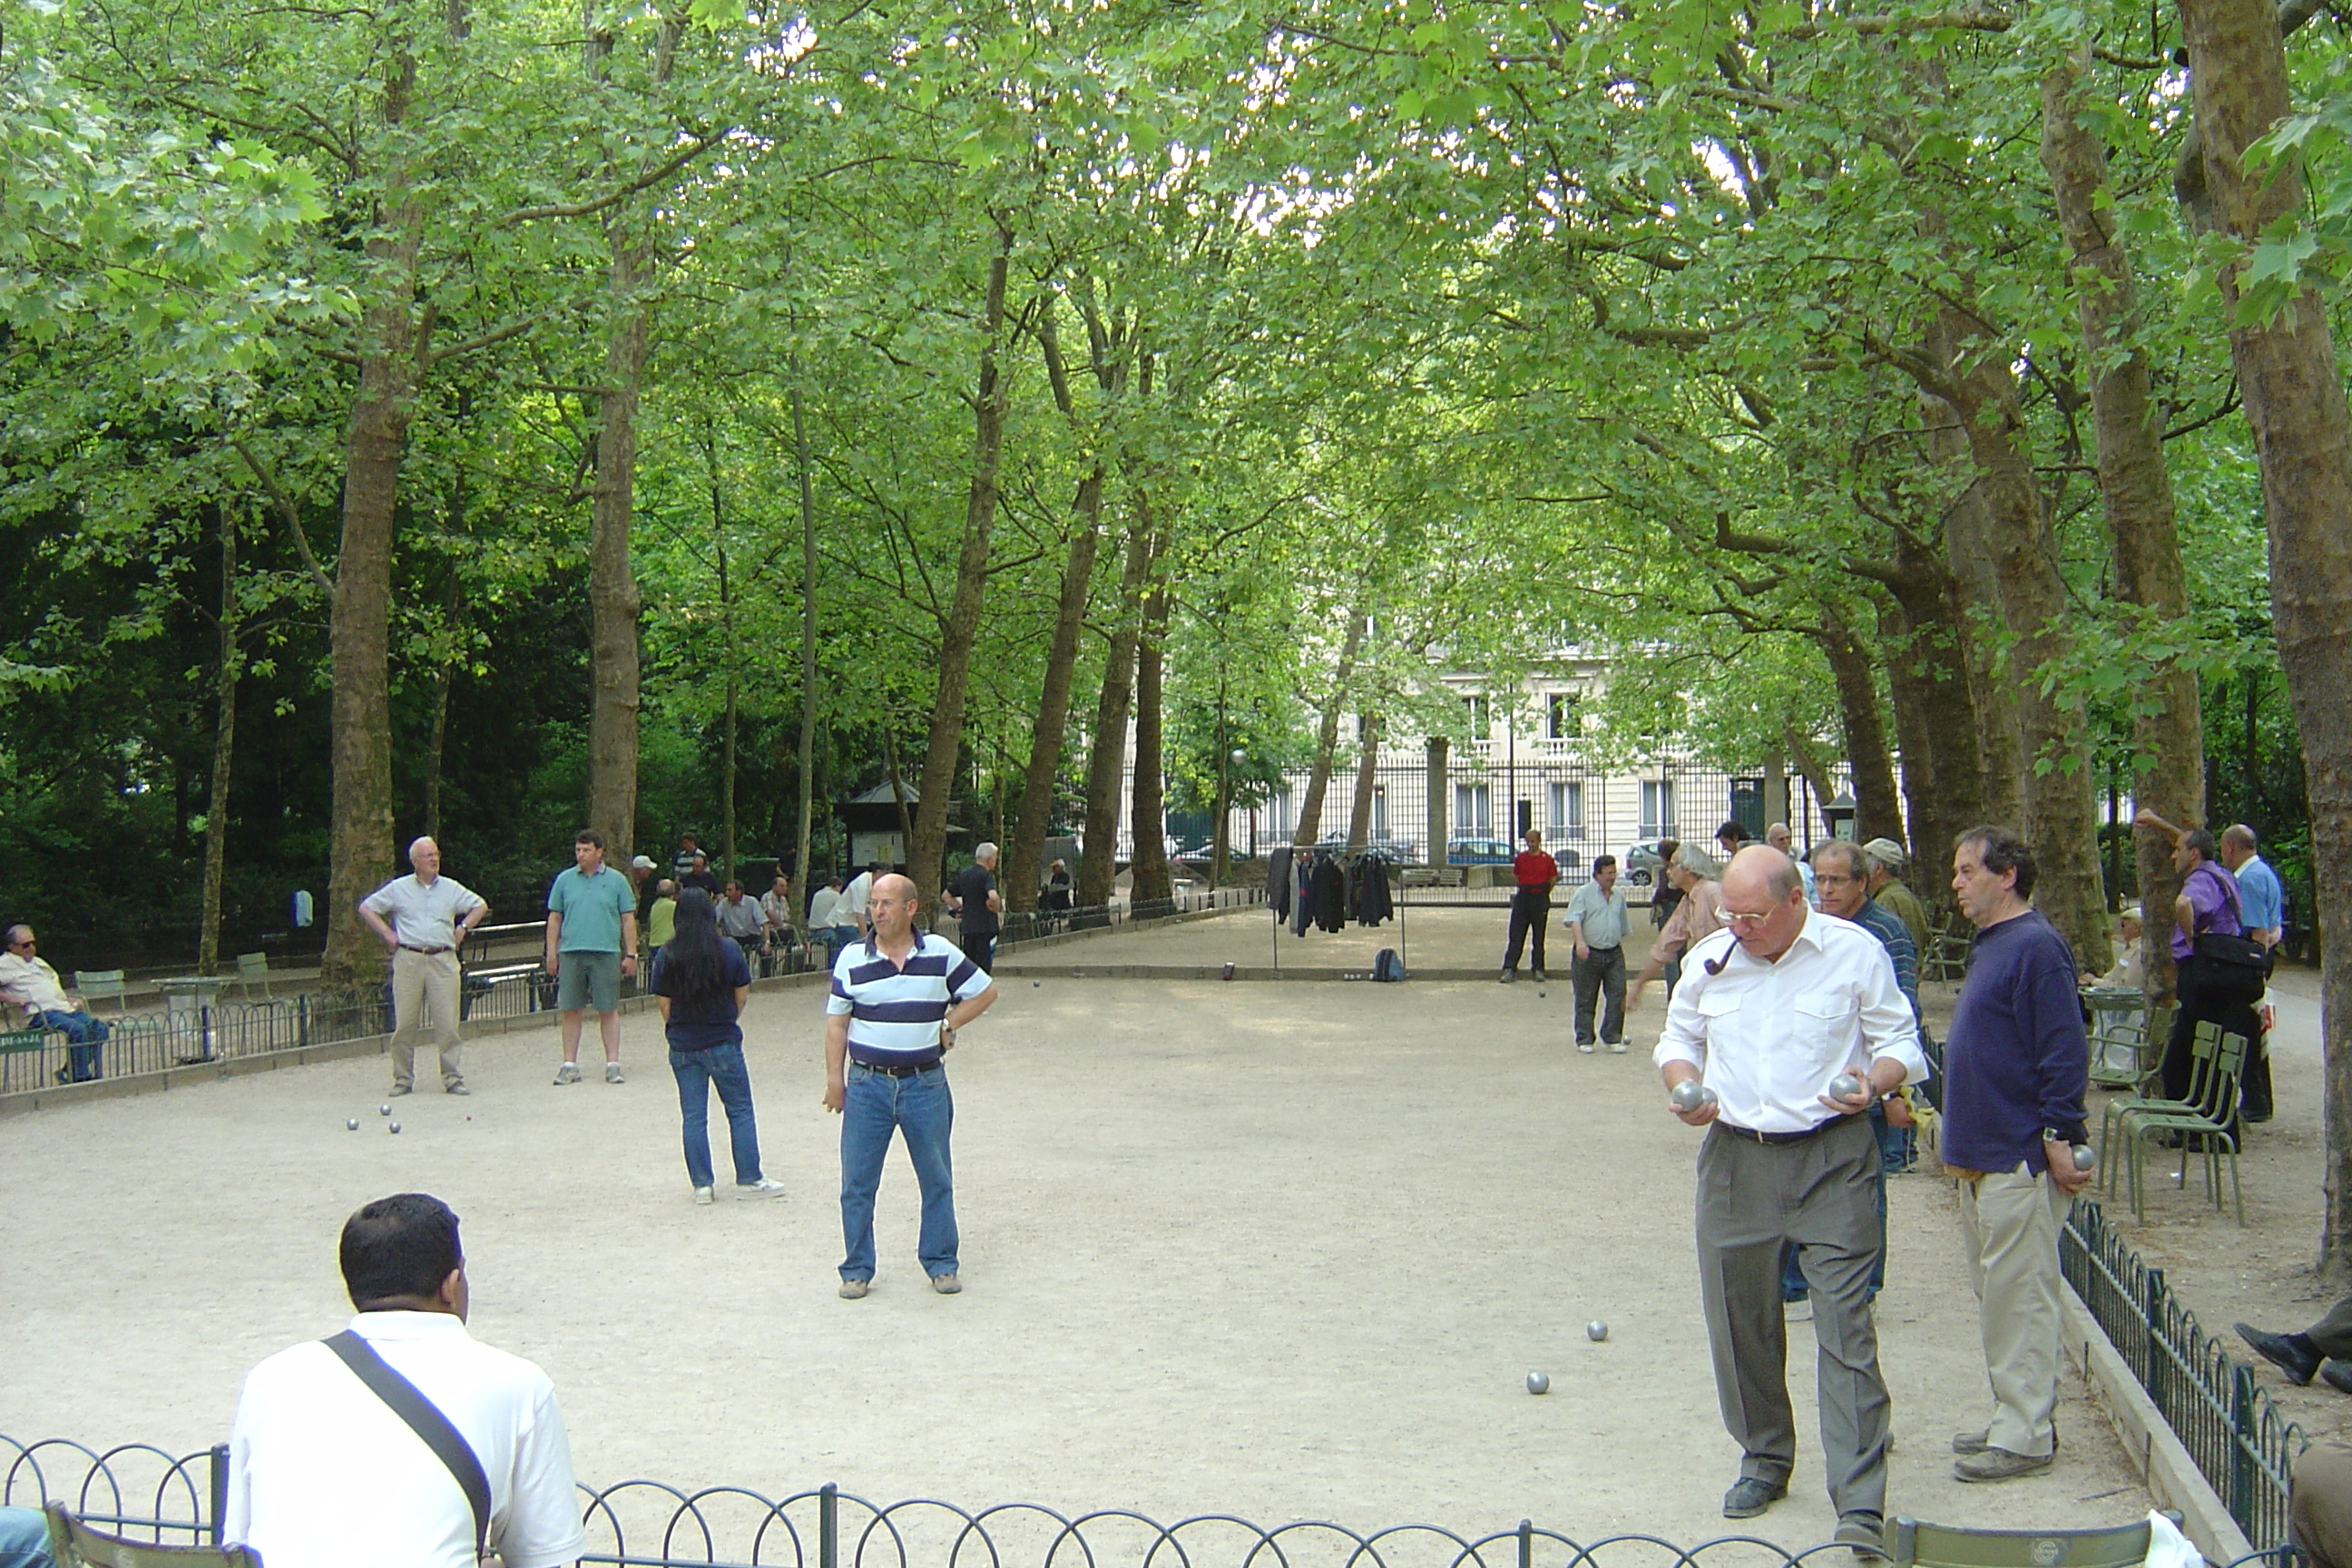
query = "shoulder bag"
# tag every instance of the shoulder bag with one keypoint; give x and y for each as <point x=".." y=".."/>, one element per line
<point x="424" y="1419"/>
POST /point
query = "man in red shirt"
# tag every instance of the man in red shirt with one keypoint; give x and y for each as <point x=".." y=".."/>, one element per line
<point x="1534" y="872"/>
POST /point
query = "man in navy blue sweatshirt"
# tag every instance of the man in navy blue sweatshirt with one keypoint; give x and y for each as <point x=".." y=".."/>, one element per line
<point x="2014" y="1071"/>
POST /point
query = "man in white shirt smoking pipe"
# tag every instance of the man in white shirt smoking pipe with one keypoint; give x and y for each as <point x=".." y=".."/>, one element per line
<point x="1772" y="1010"/>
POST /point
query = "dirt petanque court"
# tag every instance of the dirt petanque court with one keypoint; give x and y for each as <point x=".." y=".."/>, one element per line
<point x="1281" y="1250"/>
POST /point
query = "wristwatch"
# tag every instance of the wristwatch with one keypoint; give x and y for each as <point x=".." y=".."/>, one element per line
<point x="2051" y="1135"/>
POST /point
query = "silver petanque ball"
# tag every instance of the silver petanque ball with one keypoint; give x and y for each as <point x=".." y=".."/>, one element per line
<point x="1596" y="1330"/>
<point x="1689" y="1095"/>
<point x="352" y="1123"/>
<point x="383" y="1110"/>
<point x="1846" y="1086"/>
<point x="395" y="1127"/>
<point x="2085" y="1157"/>
<point x="1538" y="1382"/>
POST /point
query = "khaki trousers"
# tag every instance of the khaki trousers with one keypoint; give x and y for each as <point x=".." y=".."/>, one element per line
<point x="2012" y="1222"/>
<point x="1821" y="1194"/>
<point x="420" y="980"/>
<point x="2319" y="1505"/>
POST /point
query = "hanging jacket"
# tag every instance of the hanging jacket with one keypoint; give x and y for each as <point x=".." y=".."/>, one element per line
<point x="1373" y="903"/>
<point x="1330" y="895"/>
<point x="1277" y="881"/>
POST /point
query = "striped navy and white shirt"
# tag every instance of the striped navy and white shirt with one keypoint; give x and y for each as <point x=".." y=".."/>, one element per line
<point x="895" y="1014"/>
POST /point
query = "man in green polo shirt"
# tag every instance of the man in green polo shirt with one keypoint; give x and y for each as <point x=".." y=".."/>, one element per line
<point x="591" y="943"/>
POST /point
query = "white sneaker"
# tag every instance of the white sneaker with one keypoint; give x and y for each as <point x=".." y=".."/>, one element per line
<point x="1585" y="1046"/>
<point x="568" y="1073"/>
<point x="704" y="1195"/>
<point x="765" y="1187"/>
<point x="613" y="1073"/>
<point x="1616" y="1047"/>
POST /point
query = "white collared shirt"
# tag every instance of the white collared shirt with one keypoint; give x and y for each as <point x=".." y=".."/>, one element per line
<point x="424" y="914"/>
<point x="1769" y="1036"/>
<point x="323" y="1475"/>
<point x="33" y="984"/>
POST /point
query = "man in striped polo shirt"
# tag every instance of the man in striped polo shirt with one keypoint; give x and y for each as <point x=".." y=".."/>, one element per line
<point x="899" y="997"/>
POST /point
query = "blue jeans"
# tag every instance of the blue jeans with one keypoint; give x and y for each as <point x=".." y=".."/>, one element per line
<point x="696" y="1073"/>
<point x="922" y="1110"/>
<point x="24" y="1539"/>
<point x="84" y="1036"/>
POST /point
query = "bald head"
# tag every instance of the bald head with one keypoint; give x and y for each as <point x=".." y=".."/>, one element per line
<point x="425" y="855"/>
<point x="2238" y="845"/>
<point x="1763" y="901"/>
<point x="891" y="908"/>
<point x="1775" y="875"/>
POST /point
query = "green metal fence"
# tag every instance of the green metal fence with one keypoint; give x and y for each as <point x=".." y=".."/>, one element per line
<point x="2245" y="1448"/>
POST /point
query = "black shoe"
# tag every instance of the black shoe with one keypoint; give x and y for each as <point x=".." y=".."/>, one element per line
<point x="2337" y="1376"/>
<point x="2283" y="1352"/>
<point x="1750" y="1496"/>
<point x="1865" y="1533"/>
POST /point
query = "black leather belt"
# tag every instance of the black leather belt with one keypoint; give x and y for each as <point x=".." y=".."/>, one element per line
<point x="427" y="952"/>
<point x="892" y="1072"/>
<point x="1755" y="1137"/>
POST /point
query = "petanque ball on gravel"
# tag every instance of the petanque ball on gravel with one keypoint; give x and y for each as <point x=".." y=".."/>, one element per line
<point x="395" y="1127"/>
<point x="1596" y="1330"/>
<point x="383" y="1110"/>
<point x="1538" y="1382"/>
<point x="352" y="1123"/>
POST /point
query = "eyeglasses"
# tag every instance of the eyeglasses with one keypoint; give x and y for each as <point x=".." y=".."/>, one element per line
<point x="1749" y="921"/>
<point x="26" y="942"/>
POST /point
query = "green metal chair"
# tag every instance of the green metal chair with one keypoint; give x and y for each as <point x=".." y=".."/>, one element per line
<point x="1947" y="957"/>
<point x="1918" y="1544"/>
<point x="75" y="1545"/>
<point x="21" y="1045"/>
<point x="2116" y="1117"/>
<point x="2211" y="1122"/>
<point x="97" y="985"/>
<point x="2127" y="1044"/>
<point x="252" y="969"/>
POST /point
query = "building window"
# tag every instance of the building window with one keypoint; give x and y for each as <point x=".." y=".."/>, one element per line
<point x="1379" y="828"/>
<point x="1471" y="819"/>
<point x="1560" y="715"/>
<point x="1482" y="716"/>
<point x="1278" y="811"/>
<point x="1658" y="809"/>
<point x="1567" y="818"/>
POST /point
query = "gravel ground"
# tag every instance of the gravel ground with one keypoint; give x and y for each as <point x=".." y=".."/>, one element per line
<point x="1281" y="1250"/>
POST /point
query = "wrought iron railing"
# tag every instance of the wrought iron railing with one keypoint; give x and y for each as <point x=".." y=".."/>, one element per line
<point x="216" y="1031"/>
<point x="143" y="1493"/>
<point x="2238" y="1439"/>
<point x="1029" y="925"/>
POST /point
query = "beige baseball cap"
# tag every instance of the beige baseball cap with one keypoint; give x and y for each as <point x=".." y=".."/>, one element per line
<point x="1887" y="852"/>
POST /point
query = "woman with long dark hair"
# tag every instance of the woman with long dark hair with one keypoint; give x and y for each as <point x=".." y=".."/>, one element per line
<point x="701" y="982"/>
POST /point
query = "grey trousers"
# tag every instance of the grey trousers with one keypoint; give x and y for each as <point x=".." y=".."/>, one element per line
<point x="2332" y="1333"/>
<point x="1821" y="1194"/>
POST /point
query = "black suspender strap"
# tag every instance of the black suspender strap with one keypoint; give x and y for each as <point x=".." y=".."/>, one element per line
<point x="424" y="1419"/>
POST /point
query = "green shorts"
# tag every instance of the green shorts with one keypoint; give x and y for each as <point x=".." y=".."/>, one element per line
<point x="588" y="980"/>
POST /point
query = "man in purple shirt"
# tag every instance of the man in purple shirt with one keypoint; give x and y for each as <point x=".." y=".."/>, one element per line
<point x="2210" y="991"/>
<point x="2014" y="1070"/>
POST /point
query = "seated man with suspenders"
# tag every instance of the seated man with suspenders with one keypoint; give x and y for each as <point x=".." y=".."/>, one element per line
<point x="402" y="1442"/>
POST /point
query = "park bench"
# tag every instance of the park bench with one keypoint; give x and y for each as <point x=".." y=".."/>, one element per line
<point x="481" y="980"/>
<point x="1431" y="877"/>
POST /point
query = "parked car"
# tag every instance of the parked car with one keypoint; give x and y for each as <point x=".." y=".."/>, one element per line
<point x="1479" y="852"/>
<point x="1644" y="867"/>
